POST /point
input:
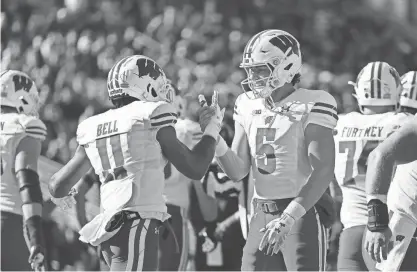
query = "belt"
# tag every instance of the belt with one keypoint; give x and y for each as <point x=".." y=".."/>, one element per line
<point x="117" y="173"/>
<point x="271" y="205"/>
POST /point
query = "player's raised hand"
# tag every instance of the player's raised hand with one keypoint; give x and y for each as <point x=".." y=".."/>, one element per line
<point x="211" y="117"/>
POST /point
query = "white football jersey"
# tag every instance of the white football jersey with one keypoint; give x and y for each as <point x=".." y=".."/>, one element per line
<point x="280" y="164"/>
<point x="404" y="188"/>
<point x="356" y="135"/>
<point x="176" y="184"/>
<point x="15" y="127"/>
<point x="126" y="137"/>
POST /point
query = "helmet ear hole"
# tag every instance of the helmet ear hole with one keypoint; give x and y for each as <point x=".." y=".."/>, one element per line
<point x="288" y="67"/>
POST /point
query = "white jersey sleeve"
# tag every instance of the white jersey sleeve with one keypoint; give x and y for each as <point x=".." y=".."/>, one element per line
<point x="188" y="132"/>
<point x="323" y="112"/>
<point x="163" y="115"/>
<point x="33" y="127"/>
<point x="238" y="113"/>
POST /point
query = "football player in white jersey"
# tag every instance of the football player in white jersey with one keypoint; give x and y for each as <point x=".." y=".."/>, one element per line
<point x="128" y="147"/>
<point x="285" y="136"/>
<point x="402" y="183"/>
<point x="377" y="90"/>
<point x="399" y="235"/>
<point x="408" y="98"/>
<point x="21" y="199"/>
<point x="176" y="191"/>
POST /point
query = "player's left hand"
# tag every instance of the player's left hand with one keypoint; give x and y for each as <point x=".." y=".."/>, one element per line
<point x="275" y="233"/>
<point x="210" y="115"/>
<point x="66" y="202"/>
<point x="376" y="244"/>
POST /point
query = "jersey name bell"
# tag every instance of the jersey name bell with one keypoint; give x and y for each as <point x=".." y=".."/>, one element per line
<point x="123" y="140"/>
<point x="280" y="163"/>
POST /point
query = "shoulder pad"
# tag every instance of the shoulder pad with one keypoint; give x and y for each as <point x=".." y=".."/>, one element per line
<point x="33" y="127"/>
<point x="103" y="125"/>
<point x="240" y="105"/>
<point x="163" y="115"/>
<point x="324" y="110"/>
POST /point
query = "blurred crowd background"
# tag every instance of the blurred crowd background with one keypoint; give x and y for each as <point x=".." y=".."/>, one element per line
<point x="68" y="47"/>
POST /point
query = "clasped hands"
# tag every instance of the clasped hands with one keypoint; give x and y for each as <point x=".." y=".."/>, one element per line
<point x="211" y="117"/>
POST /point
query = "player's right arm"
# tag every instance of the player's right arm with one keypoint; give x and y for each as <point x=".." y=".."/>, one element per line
<point x="235" y="161"/>
<point x="69" y="175"/>
<point x="397" y="148"/>
<point x="191" y="163"/>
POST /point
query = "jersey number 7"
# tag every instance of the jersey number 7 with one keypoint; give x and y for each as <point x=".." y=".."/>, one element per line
<point x="362" y="161"/>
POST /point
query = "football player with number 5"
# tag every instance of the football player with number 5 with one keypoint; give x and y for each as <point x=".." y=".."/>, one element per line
<point x="284" y="135"/>
<point x="128" y="147"/>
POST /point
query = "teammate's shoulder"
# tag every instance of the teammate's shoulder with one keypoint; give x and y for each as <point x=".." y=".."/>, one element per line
<point x="246" y="103"/>
<point x="162" y="114"/>
<point x="351" y="115"/>
<point x="318" y="96"/>
<point x="188" y="129"/>
<point x="33" y="126"/>
<point x="187" y="125"/>
<point x="321" y="107"/>
<point x="321" y="101"/>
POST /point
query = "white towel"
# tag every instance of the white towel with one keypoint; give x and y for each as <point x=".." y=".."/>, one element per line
<point x="95" y="231"/>
<point x="403" y="229"/>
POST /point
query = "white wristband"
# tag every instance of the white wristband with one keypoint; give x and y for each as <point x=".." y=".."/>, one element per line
<point x="383" y="198"/>
<point x="295" y="210"/>
<point x="221" y="147"/>
<point x="212" y="130"/>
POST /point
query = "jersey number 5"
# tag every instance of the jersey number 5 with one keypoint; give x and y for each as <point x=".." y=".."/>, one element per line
<point x="265" y="153"/>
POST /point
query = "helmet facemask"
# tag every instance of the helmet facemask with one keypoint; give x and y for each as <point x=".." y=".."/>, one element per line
<point x="262" y="79"/>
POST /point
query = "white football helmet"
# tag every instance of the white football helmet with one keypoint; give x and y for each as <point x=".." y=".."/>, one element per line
<point x="140" y="77"/>
<point x="19" y="91"/>
<point x="275" y="51"/>
<point x="408" y="96"/>
<point x="377" y="84"/>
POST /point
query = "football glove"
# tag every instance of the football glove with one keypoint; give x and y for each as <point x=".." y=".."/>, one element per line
<point x="275" y="234"/>
<point x="211" y="125"/>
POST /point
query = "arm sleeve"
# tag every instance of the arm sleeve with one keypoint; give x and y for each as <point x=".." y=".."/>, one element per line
<point x="35" y="128"/>
<point x="323" y="112"/>
<point x="82" y="133"/>
<point x="164" y="115"/>
<point x="238" y="110"/>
